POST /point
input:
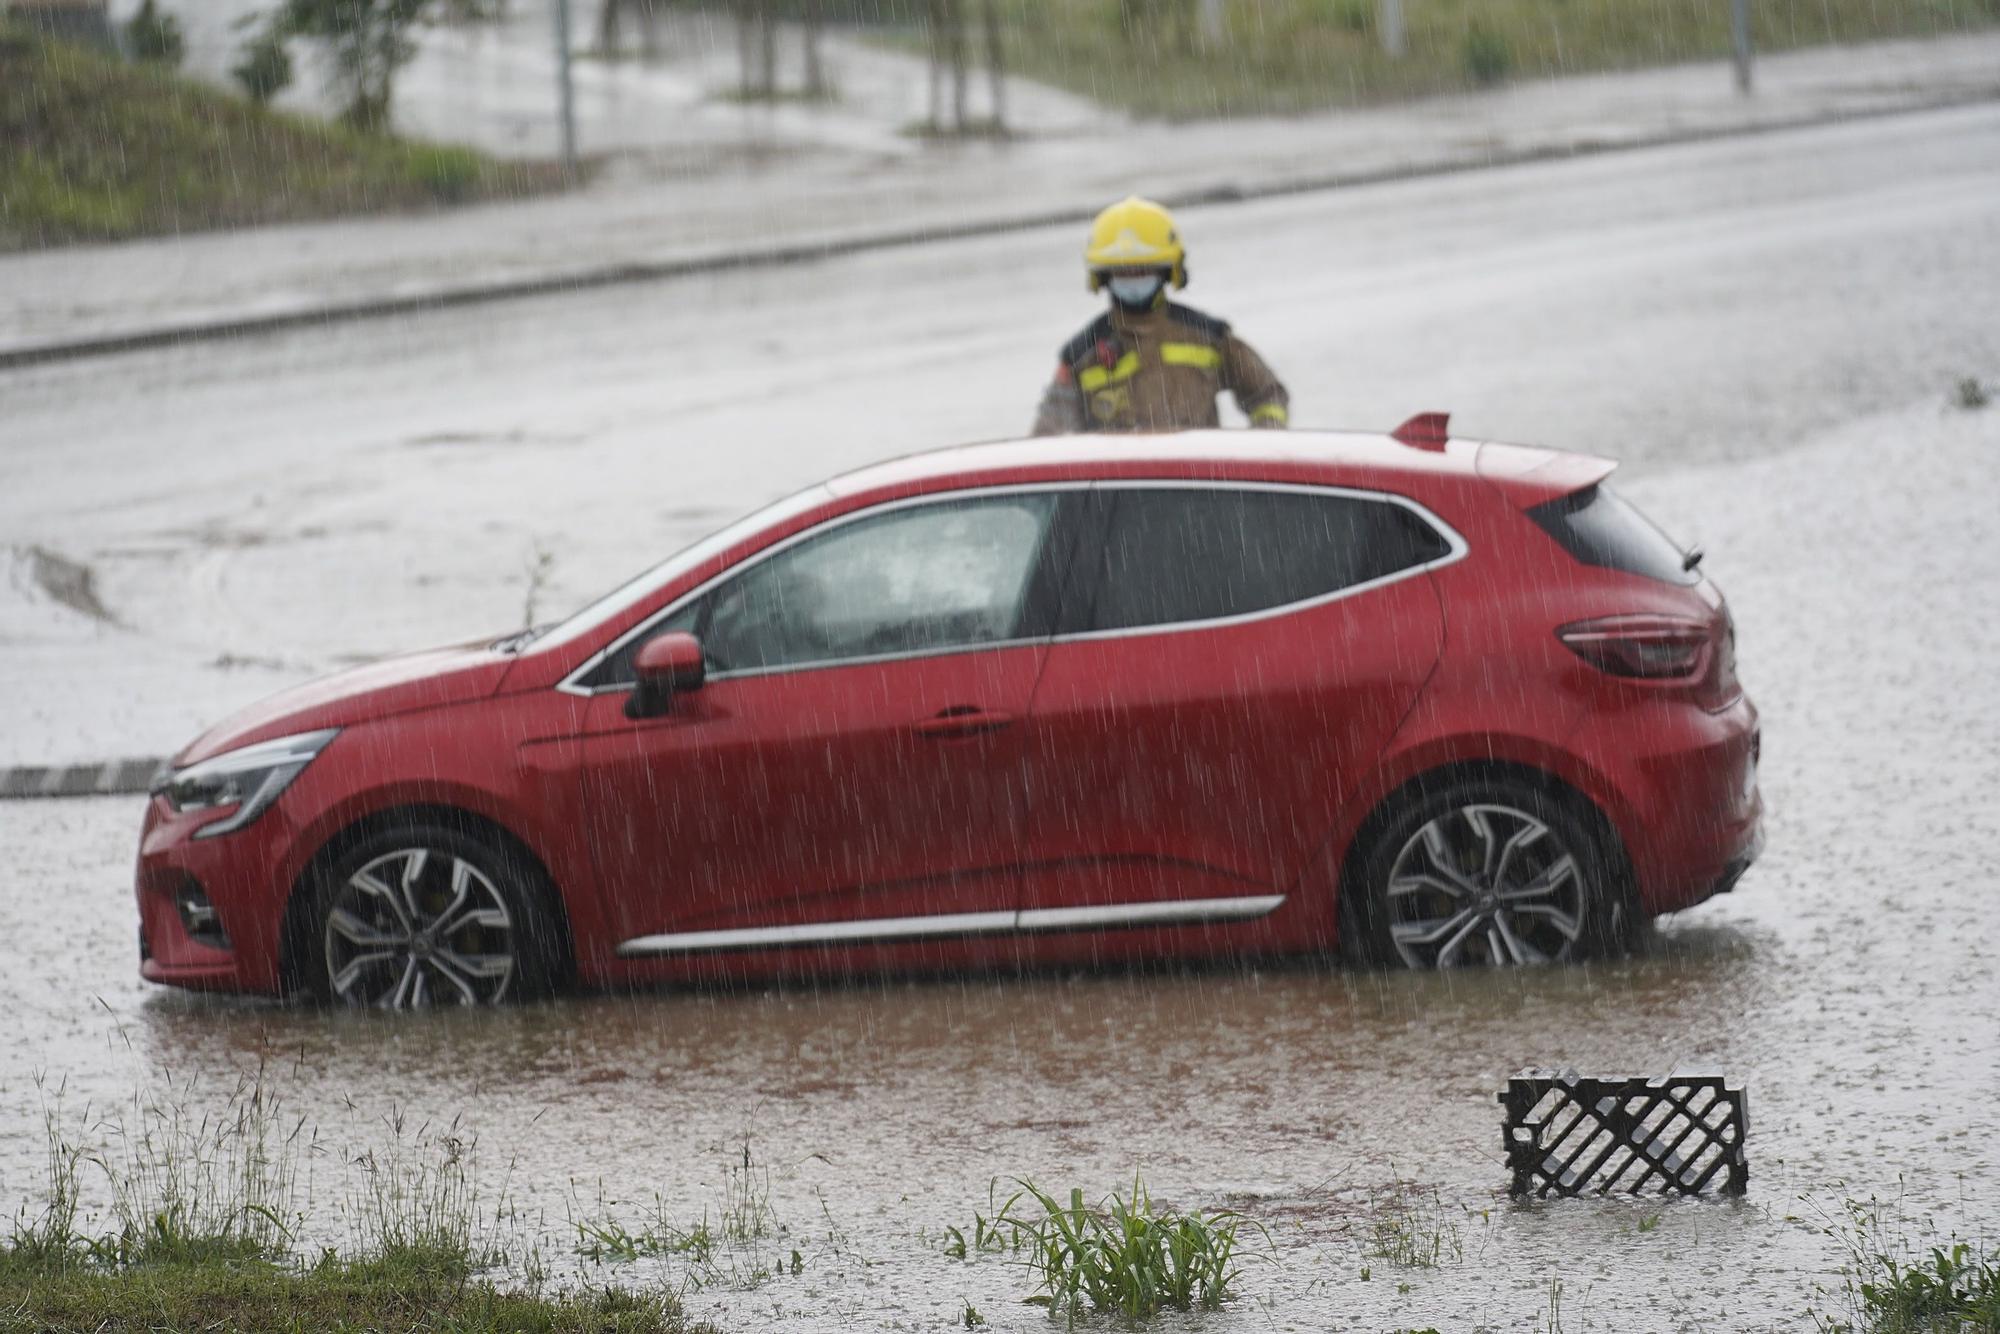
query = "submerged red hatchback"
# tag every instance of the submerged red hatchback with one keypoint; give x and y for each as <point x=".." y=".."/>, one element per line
<point x="1431" y="702"/>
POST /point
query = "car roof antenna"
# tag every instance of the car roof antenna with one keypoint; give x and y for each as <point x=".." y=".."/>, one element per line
<point x="1426" y="430"/>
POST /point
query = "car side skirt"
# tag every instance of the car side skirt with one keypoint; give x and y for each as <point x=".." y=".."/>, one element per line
<point x="1167" y="912"/>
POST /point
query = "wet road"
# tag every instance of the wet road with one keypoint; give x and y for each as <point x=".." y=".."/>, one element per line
<point x="1848" y="983"/>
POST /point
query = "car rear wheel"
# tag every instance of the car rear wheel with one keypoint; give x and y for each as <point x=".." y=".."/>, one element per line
<point x="1485" y="873"/>
<point x="425" y="916"/>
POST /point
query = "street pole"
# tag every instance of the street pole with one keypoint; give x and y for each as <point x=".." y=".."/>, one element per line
<point x="1390" y="16"/>
<point x="568" y="93"/>
<point x="1739" y="37"/>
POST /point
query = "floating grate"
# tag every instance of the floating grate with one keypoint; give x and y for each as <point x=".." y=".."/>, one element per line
<point x="1568" y="1133"/>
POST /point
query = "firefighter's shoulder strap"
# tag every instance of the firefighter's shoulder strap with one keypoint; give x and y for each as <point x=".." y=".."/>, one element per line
<point x="1207" y="326"/>
<point x="1097" y="345"/>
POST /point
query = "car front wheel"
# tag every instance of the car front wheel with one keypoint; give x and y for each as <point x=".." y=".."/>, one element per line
<point x="1485" y="873"/>
<point x="426" y="916"/>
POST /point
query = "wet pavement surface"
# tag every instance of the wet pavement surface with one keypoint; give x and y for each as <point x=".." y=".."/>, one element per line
<point x="1848" y="983"/>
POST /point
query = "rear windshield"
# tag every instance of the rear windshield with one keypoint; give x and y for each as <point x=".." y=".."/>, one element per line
<point x="1599" y="527"/>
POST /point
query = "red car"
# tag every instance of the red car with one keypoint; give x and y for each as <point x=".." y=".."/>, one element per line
<point x="1429" y="701"/>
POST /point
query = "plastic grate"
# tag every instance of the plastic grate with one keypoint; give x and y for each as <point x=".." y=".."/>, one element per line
<point x="1571" y="1134"/>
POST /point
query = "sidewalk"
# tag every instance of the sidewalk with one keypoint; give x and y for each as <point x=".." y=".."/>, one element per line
<point x="813" y="201"/>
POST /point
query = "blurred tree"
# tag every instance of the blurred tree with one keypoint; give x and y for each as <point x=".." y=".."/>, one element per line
<point x="947" y="41"/>
<point x="812" y="23"/>
<point x="1158" y="24"/>
<point x="757" y="48"/>
<point x="610" y="19"/>
<point x="154" y="38"/>
<point x="944" y="26"/>
<point x="369" y="40"/>
<point x="264" y="68"/>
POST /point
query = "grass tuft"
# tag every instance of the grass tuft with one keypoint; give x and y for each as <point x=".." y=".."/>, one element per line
<point x="1126" y="1256"/>
<point x="1416" y="1230"/>
<point x="1896" y="1287"/>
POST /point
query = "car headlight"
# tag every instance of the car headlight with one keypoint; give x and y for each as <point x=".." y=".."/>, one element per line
<point x="249" y="779"/>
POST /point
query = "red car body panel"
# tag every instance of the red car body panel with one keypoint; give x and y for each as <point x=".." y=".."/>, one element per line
<point x="1206" y="763"/>
<point x="1222" y="764"/>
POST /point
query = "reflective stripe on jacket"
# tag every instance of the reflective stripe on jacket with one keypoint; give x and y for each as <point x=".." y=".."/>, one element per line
<point x="1159" y="370"/>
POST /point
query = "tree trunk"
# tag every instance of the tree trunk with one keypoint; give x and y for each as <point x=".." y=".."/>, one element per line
<point x="995" y="65"/>
<point x="767" y="51"/>
<point x="934" y="42"/>
<point x="815" y="19"/>
<point x="649" y="28"/>
<point x="956" y="31"/>
<point x="607" y="27"/>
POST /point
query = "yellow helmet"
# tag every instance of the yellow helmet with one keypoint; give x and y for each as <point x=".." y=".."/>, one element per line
<point x="1135" y="233"/>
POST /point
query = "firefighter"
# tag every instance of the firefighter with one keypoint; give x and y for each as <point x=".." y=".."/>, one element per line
<point x="1147" y="363"/>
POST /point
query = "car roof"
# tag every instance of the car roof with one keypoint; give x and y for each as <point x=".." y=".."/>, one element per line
<point x="1527" y="473"/>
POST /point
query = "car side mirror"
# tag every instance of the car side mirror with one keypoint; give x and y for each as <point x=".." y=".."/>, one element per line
<point x="665" y="666"/>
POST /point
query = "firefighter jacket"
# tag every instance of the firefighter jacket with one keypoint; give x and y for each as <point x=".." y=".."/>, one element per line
<point x="1157" y="370"/>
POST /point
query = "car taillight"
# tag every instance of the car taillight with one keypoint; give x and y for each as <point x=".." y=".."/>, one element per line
<point x="1644" y="647"/>
<point x="1663" y="650"/>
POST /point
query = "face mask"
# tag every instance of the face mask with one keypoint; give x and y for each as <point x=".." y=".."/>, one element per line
<point x="1136" y="292"/>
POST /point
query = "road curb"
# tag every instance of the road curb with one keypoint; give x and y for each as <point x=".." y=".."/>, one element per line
<point x="807" y="252"/>
<point x="106" y="778"/>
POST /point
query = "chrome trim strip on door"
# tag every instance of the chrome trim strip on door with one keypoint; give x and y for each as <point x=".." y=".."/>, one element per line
<point x="1165" y="912"/>
<point x="822" y="933"/>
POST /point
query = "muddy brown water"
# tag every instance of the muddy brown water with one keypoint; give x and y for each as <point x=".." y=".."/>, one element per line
<point x="1849" y="984"/>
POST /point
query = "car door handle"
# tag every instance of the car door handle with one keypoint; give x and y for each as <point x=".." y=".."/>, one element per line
<point x="963" y="720"/>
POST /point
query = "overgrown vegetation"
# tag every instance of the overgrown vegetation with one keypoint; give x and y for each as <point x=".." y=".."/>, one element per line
<point x="373" y="1293"/>
<point x="92" y="149"/>
<point x="206" y="1209"/>
<point x="368" y="40"/>
<point x="1896" y="1286"/>
<point x="1125" y="1255"/>
<point x="1413" y="1228"/>
<point x="742" y="1244"/>
<point x="1283" y="56"/>
<point x="155" y="37"/>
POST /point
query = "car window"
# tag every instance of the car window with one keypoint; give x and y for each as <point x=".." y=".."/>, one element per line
<point x="636" y="590"/>
<point x="948" y="575"/>
<point x="1174" y="555"/>
<point x="1600" y="527"/>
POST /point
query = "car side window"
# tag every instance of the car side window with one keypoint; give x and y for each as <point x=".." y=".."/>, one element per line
<point x="1174" y="555"/>
<point x="953" y="574"/>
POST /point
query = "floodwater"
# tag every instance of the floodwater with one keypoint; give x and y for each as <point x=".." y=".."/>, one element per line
<point x="1848" y="984"/>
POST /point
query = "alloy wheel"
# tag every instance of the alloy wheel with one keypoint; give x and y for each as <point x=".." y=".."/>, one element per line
<point x="416" y="928"/>
<point x="1486" y="884"/>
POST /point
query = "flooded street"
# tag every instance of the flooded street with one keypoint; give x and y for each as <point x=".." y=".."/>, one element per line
<point x="1769" y="329"/>
<point x="1847" y="983"/>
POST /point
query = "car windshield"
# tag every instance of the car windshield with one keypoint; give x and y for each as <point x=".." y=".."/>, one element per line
<point x="636" y="590"/>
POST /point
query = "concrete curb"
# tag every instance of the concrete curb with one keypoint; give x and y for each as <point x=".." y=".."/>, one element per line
<point x="806" y="252"/>
<point x="109" y="778"/>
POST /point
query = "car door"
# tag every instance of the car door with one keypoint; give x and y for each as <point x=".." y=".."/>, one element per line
<point x="850" y="771"/>
<point x="1230" y="661"/>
